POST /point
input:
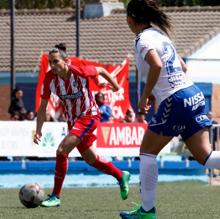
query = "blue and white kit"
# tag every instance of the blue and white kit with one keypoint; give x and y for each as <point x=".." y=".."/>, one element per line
<point x="181" y="103"/>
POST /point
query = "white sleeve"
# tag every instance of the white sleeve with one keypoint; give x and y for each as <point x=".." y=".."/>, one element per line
<point x="143" y="47"/>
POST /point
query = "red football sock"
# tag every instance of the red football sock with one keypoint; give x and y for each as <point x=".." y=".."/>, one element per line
<point x="107" y="167"/>
<point x="60" y="173"/>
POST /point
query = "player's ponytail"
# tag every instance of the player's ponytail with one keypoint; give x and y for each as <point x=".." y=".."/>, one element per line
<point x="148" y="12"/>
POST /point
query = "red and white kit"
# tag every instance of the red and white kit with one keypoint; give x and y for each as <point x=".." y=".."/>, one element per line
<point x="80" y="108"/>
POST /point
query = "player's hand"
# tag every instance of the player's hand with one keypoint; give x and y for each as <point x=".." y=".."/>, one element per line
<point x="109" y="86"/>
<point x="144" y="104"/>
<point x="151" y="100"/>
<point x="114" y="89"/>
<point x="102" y="85"/>
<point x="37" y="137"/>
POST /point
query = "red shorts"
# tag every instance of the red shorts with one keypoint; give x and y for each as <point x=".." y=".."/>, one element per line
<point x="83" y="128"/>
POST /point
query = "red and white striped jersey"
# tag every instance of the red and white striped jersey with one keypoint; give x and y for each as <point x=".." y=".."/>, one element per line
<point x="74" y="92"/>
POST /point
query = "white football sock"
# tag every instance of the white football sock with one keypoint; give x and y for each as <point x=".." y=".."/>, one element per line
<point x="148" y="179"/>
<point x="214" y="160"/>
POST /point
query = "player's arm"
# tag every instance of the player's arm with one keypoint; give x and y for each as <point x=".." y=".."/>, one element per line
<point x="41" y="115"/>
<point x="183" y="64"/>
<point x="108" y="111"/>
<point x="155" y="63"/>
<point x="105" y="74"/>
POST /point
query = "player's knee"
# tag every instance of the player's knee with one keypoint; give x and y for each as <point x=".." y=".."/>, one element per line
<point x="61" y="151"/>
<point x="67" y="145"/>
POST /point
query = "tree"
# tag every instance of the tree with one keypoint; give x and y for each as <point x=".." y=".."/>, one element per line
<point x="40" y="4"/>
<point x="189" y="2"/>
<point x="4" y="4"/>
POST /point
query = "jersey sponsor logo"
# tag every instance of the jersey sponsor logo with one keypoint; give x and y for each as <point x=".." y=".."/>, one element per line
<point x="179" y="128"/>
<point x="71" y="96"/>
<point x="195" y="101"/>
<point x="201" y="118"/>
<point x="176" y="80"/>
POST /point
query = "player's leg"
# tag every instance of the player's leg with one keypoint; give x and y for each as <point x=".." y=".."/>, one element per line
<point x="151" y="145"/>
<point x="89" y="155"/>
<point x="200" y="147"/>
<point x="65" y="147"/>
<point x="87" y="125"/>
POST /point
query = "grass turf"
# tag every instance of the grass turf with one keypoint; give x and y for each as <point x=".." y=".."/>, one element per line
<point x="182" y="200"/>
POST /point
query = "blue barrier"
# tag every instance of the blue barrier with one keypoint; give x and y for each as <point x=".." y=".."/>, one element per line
<point x="42" y="167"/>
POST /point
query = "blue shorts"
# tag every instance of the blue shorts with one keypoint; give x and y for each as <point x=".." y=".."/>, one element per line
<point x="182" y="113"/>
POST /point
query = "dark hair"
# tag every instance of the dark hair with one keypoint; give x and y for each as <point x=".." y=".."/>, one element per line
<point x="129" y="112"/>
<point x="140" y="113"/>
<point x="148" y="12"/>
<point x="99" y="94"/>
<point x="15" y="91"/>
<point x="61" y="46"/>
<point x="61" y="49"/>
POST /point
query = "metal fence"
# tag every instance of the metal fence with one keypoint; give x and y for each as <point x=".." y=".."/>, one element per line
<point x="214" y="174"/>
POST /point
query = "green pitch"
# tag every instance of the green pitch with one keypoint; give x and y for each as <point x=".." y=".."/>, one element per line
<point x="185" y="200"/>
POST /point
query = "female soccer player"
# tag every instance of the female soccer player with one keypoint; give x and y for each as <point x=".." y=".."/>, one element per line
<point x="71" y="85"/>
<point x="181" y="104"/>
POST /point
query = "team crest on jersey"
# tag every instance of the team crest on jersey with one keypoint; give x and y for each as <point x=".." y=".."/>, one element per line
<point x="74" y="83"/>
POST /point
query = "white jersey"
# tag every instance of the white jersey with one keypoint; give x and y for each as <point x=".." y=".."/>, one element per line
<point x="171" y="78"/>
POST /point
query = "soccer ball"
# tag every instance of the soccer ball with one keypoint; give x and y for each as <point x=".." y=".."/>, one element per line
<point x="31" y="195"/>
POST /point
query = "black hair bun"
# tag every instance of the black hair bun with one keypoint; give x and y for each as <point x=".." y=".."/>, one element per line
<point x="61" y="46"/>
